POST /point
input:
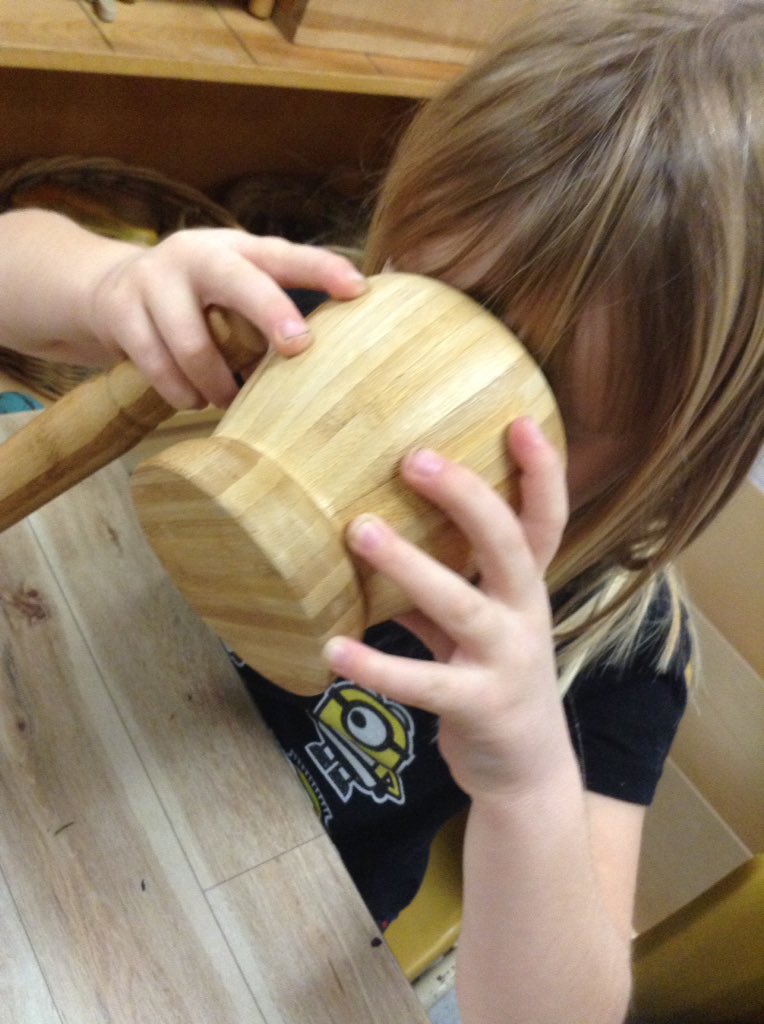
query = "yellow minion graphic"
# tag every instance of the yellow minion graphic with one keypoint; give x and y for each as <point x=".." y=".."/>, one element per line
<point x="365" y="743"/>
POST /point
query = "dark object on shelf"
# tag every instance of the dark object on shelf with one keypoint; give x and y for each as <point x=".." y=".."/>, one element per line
<point x="301" y="208"/>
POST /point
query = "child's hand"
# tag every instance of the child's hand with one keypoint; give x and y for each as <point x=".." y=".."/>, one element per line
<point x="494" y="684"/>
<point x="149" y="304"/>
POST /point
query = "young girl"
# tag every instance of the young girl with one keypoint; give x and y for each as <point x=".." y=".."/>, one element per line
<point x="597" y="180"/>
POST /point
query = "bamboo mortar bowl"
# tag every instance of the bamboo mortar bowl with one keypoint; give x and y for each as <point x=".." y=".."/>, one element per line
<point x="250" y="522"/>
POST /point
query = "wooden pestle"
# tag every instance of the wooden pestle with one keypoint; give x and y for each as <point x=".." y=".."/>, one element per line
<point x="97" y="422"/>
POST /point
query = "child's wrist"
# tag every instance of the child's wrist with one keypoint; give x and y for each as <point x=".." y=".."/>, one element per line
<point x="555" y="776"/>
<point x="101" y="260"/>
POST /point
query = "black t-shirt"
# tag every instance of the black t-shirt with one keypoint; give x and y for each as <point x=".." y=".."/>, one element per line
<point x="375" y="774"/>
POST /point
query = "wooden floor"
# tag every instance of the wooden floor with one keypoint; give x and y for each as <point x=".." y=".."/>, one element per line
<point x="159" y="860"/>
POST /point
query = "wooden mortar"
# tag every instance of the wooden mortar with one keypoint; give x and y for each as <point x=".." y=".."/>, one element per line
<point x="250" y="522"/>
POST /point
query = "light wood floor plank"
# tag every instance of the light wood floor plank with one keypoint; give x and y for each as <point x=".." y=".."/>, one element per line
<point x="23" y="992"/>
<point x="106" y="896"/>
<point x="102" y="908"/>
<point x="357" y="979"/>
<point x="216" y="768"/>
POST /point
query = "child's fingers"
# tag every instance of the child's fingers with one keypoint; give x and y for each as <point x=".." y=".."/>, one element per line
<point x="191" y="270"/>
<point x="188" y="344"/>
<point x="502" y="555"/>
<point x="424" y="684"/>
<point x="140" y="339"/>
<point x="462" y="611"/>
<point x="543" y="489"/>
<point x="251" y="279"/>
<point x="432" y="636"/>
<point x="306" y="266"/>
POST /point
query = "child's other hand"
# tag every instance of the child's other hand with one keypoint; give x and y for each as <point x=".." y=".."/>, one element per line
<point x="494" y="684"/>
<point x="150" y="304"/>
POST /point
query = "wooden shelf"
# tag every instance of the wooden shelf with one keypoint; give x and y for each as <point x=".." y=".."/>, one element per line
<point x="198" y="89"/>
<point x="199" y="40"/>
<point x="201" y="91"/>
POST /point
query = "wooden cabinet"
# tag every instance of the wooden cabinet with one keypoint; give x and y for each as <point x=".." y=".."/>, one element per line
<point x="201" y="91"/>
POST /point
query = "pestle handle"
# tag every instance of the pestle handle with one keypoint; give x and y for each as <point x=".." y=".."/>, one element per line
<point x="97" y="422"/>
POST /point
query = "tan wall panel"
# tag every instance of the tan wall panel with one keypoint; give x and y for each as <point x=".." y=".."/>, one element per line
<point x="720" y="744"/>
<point x="687" y="847"/>
<point x="724" y="573"/>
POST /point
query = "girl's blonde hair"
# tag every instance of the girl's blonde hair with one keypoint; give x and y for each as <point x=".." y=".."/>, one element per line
<point x="612" y="148"/>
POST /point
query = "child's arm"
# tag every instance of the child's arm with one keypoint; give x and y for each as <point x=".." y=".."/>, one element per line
<point x="70" y="295"/>
<point x="548" y="887"/>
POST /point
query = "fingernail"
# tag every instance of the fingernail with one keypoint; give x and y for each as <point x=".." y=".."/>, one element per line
<point x="532" y="428"/>
<point x="292" y="331"/>
<point x="335" y="652"/>
<point x="366" y="533"/>
<point x="425" y="462"/>
<point x="360" y="281"/>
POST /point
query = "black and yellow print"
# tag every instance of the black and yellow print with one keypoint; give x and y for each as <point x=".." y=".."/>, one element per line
<point x="365" y="742"/>
<point x="320" y="806"/>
